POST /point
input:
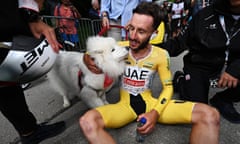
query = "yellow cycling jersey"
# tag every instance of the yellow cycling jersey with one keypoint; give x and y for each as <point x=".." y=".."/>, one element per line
<point x="137" y="81"/>
<point x="138" y="76"/>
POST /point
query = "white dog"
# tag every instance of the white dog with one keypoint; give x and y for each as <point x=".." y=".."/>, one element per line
<point x="64" y="76"/>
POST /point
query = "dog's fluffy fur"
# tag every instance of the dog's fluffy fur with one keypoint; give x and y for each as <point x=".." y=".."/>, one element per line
<point x="107" y="55"/>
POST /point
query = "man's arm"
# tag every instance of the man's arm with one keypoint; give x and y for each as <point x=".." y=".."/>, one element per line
<point x="166" y="80"/>
<point x="104" y="10"/>
<point x="230" y="78"/>
<point x="30" y="12"/>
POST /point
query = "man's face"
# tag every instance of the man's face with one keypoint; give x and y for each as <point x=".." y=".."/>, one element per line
<point x="140" y="31"/>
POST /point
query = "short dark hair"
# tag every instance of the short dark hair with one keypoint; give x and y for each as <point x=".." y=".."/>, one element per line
<point x="151" y="9"/>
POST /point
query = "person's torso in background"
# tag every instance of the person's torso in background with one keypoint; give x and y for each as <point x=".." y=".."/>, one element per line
<point x="177" y="9"/>
<point x="67" y="24"/>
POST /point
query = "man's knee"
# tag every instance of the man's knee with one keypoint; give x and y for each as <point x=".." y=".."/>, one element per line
<point x="212" y="116"/>
<point x="206" y="114"/>
<point x="89" y="122"/>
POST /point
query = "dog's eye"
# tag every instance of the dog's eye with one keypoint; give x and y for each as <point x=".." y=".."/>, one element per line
<point x="113" y="49"/>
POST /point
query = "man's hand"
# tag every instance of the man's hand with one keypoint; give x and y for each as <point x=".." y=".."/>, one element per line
<point x="226" y="80"/>
<point x="89" y="62"/>
<point x="152" y="118"/>
<point x="95" y="4"/>
<point x="39" y="28"/>
<point x="105" y="20"/>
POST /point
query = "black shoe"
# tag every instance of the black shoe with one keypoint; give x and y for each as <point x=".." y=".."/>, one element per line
<point x="226" y="109"/>
<point x="43" y="132"/>
<point x="176" y="78"/>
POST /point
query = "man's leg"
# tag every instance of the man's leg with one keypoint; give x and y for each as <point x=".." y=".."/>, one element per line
<point x="204" y="120"/>
<point x="14" y="107"/>
<point x="94" y="121"/>
<point x="115" y="32"/>
<point x="205" y="127"/>
<point x="224" y="100"/>
<point x="93" y="128"/>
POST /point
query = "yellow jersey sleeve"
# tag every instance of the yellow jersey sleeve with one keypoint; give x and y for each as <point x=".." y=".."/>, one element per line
<point x="165" y="76"/>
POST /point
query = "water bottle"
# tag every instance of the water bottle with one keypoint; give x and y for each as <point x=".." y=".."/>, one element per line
<point x="139" y="137"/>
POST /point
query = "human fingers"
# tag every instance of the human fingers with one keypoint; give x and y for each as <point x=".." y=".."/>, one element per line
<point x="95" y="69"/>
<point x="146" y="128"/>
<point x="222" y="83"/>
<point x="232" y="83"/>
<point x="235" y="83"/>
<point x="51" y="37"/>
<point x="41" y="29"/>
<point x="105" y="22"/>
<point x="226" y="80"/>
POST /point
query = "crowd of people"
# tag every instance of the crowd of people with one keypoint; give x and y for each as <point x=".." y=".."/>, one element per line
<point x="176" y="15"/>
<point x="209" y="33"/>
<point x="67" y="22"/>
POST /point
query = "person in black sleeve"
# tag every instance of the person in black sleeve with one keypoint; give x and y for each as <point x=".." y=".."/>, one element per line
<point x="212" y="40"/>
<point x="21" y="18"/>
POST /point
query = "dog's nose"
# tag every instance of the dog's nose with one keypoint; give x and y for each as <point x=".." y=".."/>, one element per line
<point x="127" y="48"/>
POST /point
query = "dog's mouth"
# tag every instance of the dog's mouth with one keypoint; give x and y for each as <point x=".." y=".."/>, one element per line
<point x="121" y="59"/>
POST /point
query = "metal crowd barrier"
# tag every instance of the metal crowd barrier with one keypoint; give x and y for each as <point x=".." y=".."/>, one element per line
<point x="86" y="27"/>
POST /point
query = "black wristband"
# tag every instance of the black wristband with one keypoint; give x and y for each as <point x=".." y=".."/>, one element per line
<point x="29" y="15"/>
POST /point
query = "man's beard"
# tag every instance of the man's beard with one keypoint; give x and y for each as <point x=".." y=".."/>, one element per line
<point x="142" y="45"/>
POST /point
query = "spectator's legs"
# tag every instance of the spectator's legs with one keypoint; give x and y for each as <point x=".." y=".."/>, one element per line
<point x="230" y="94"/>
<point x="224" y="102"/>
<point x="14" y="107"/>
<point x="194" y="86"/>
<point x="115" y="32"/>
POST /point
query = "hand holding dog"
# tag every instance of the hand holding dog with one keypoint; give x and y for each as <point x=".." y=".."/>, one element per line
<point x="91" y="65"/>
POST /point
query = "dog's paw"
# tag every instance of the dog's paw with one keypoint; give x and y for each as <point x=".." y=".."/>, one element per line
<point x="66" y="104"/>
<point x="105" y="102"/>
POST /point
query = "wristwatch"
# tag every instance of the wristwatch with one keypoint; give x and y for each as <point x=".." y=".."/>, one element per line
<point x="105" y="14"/>
<point x="29" y="15"/>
